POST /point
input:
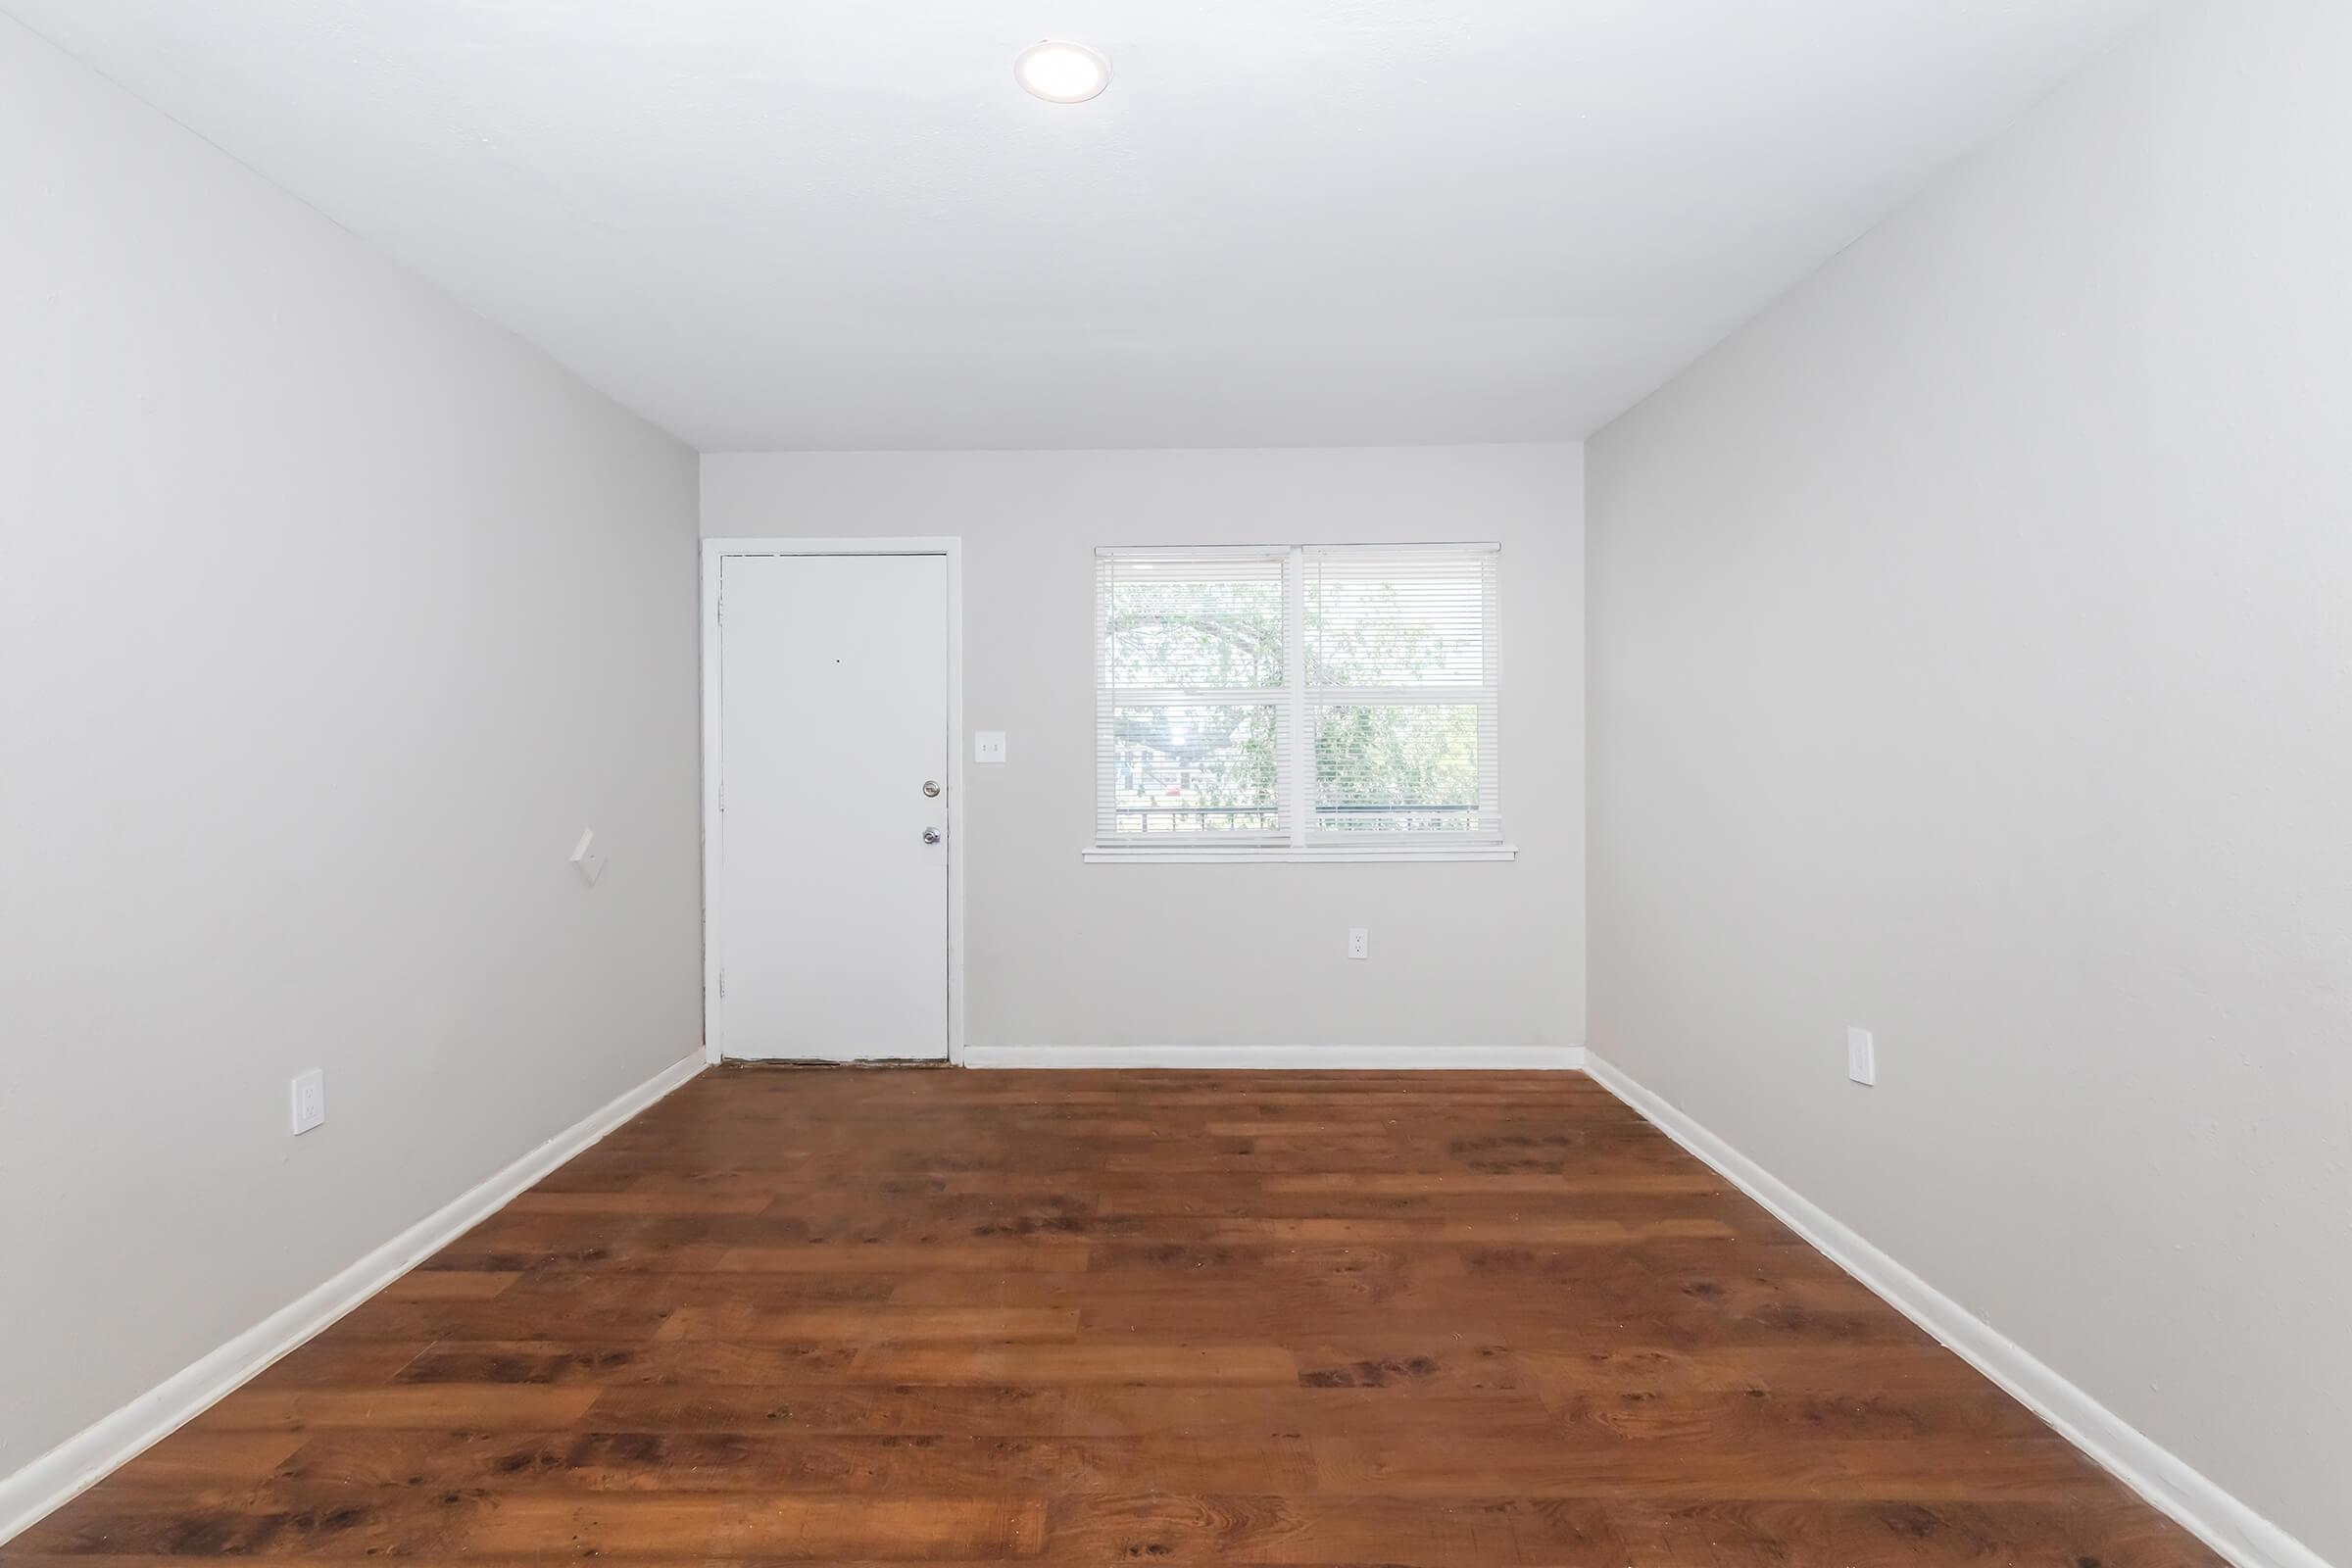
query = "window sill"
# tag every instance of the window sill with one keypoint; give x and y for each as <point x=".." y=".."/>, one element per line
<point x="1281" y="853"/>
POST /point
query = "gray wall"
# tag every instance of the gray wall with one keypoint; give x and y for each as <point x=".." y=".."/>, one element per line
<point x="1971" y="660"/>
<point x="1066" y="953"/>
<point x="328" y="617"/>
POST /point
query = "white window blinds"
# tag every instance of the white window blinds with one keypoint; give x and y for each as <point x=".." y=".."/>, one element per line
<point x="1301" y="696"/>
<point x="1192" y="699"/>
<point x="1400" y="695"/>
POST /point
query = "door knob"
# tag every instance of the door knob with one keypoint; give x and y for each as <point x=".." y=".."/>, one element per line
<point x="930" y="835"/>
<point x="931" y="788"/>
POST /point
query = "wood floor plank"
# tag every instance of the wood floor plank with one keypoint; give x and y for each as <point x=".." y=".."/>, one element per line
<point x="209" y="1456"/>
<point x="639" y="1202"/>
<point x="596" y="1363"/>
<point x="1449" y="1320"/>
<point x="971" y="1409"/>
<point x="500" y="1317"/>
<point x="448" y="1285"/>
<point x="989" y="1525"/>
<point x="891" y="1259"/>
<point x="769" y="1461"/>
<point x="750" y="1324"/>
<point x="394" y="1408"/>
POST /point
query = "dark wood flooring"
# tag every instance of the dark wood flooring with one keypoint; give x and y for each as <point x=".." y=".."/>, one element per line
<point x="1105" y="1318"/>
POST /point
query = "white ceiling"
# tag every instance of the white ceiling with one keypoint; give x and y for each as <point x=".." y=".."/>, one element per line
<point x="784" y="224"/>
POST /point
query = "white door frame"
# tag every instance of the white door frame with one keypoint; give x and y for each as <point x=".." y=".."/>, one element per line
<point x="715" y="555"/>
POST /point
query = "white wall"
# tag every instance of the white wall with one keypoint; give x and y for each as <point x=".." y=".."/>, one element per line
<point x="1972" y="660"/>
<point x="1065" y="954"/>
<point x="328" y="617"/>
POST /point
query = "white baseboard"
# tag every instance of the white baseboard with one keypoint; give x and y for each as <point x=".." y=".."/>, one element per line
<point x="1329" y="1058"/>
<point x="90" y="1454"/>
<point x="2214" y="1515"/>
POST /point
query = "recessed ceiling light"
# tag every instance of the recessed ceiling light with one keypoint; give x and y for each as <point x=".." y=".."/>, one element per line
<point x="1062" y="73"/>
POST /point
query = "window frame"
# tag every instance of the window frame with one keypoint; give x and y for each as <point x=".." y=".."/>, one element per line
<point x="1294" y="703"/>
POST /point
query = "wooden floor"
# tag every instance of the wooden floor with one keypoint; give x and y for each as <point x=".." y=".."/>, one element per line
<point x="1101" y="1318"/>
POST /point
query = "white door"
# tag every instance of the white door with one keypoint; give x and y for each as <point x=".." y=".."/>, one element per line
<point x="832" y="903"/>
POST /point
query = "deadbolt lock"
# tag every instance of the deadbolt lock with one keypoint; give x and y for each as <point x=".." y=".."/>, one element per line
<point x="931" y="787"/>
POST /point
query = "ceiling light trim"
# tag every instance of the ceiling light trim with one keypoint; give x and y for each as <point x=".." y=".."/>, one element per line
<point x="1060" y="72"/>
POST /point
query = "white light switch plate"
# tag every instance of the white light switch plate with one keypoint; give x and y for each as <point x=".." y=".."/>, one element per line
<point x="988" y="746"/>
<point x="588" y="858"/>
<point x="310" y="1099"/>
<point x="1861" y="1056"/>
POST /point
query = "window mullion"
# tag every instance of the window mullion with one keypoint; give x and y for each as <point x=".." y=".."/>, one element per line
<point x="1298" y="754"/>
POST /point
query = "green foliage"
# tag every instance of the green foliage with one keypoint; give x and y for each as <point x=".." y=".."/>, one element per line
<point x="1370" y="634"/>
<point x="1214" y="767"/>
<point x="1390" y="755"/>
<point x="1196" y="635"/>
<point x="1196" y="757"/>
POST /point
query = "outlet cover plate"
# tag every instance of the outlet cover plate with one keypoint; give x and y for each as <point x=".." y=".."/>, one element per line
<point x="309" y="1100"/>
<point x="1861" y="1056"/>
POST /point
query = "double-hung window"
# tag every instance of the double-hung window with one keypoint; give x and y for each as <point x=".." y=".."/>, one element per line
<point x="1296" y="702"/>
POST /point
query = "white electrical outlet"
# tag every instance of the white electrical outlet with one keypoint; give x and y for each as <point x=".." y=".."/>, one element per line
<point x="988" y="746"/>
<point x="1861" y="1056"/>
<point x="1359" y="943"/>
<point x="587" y="859"/>
<point x="310" y="1101"/>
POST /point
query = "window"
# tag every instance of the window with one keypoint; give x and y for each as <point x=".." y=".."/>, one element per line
<point x="1297" y="703"/>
